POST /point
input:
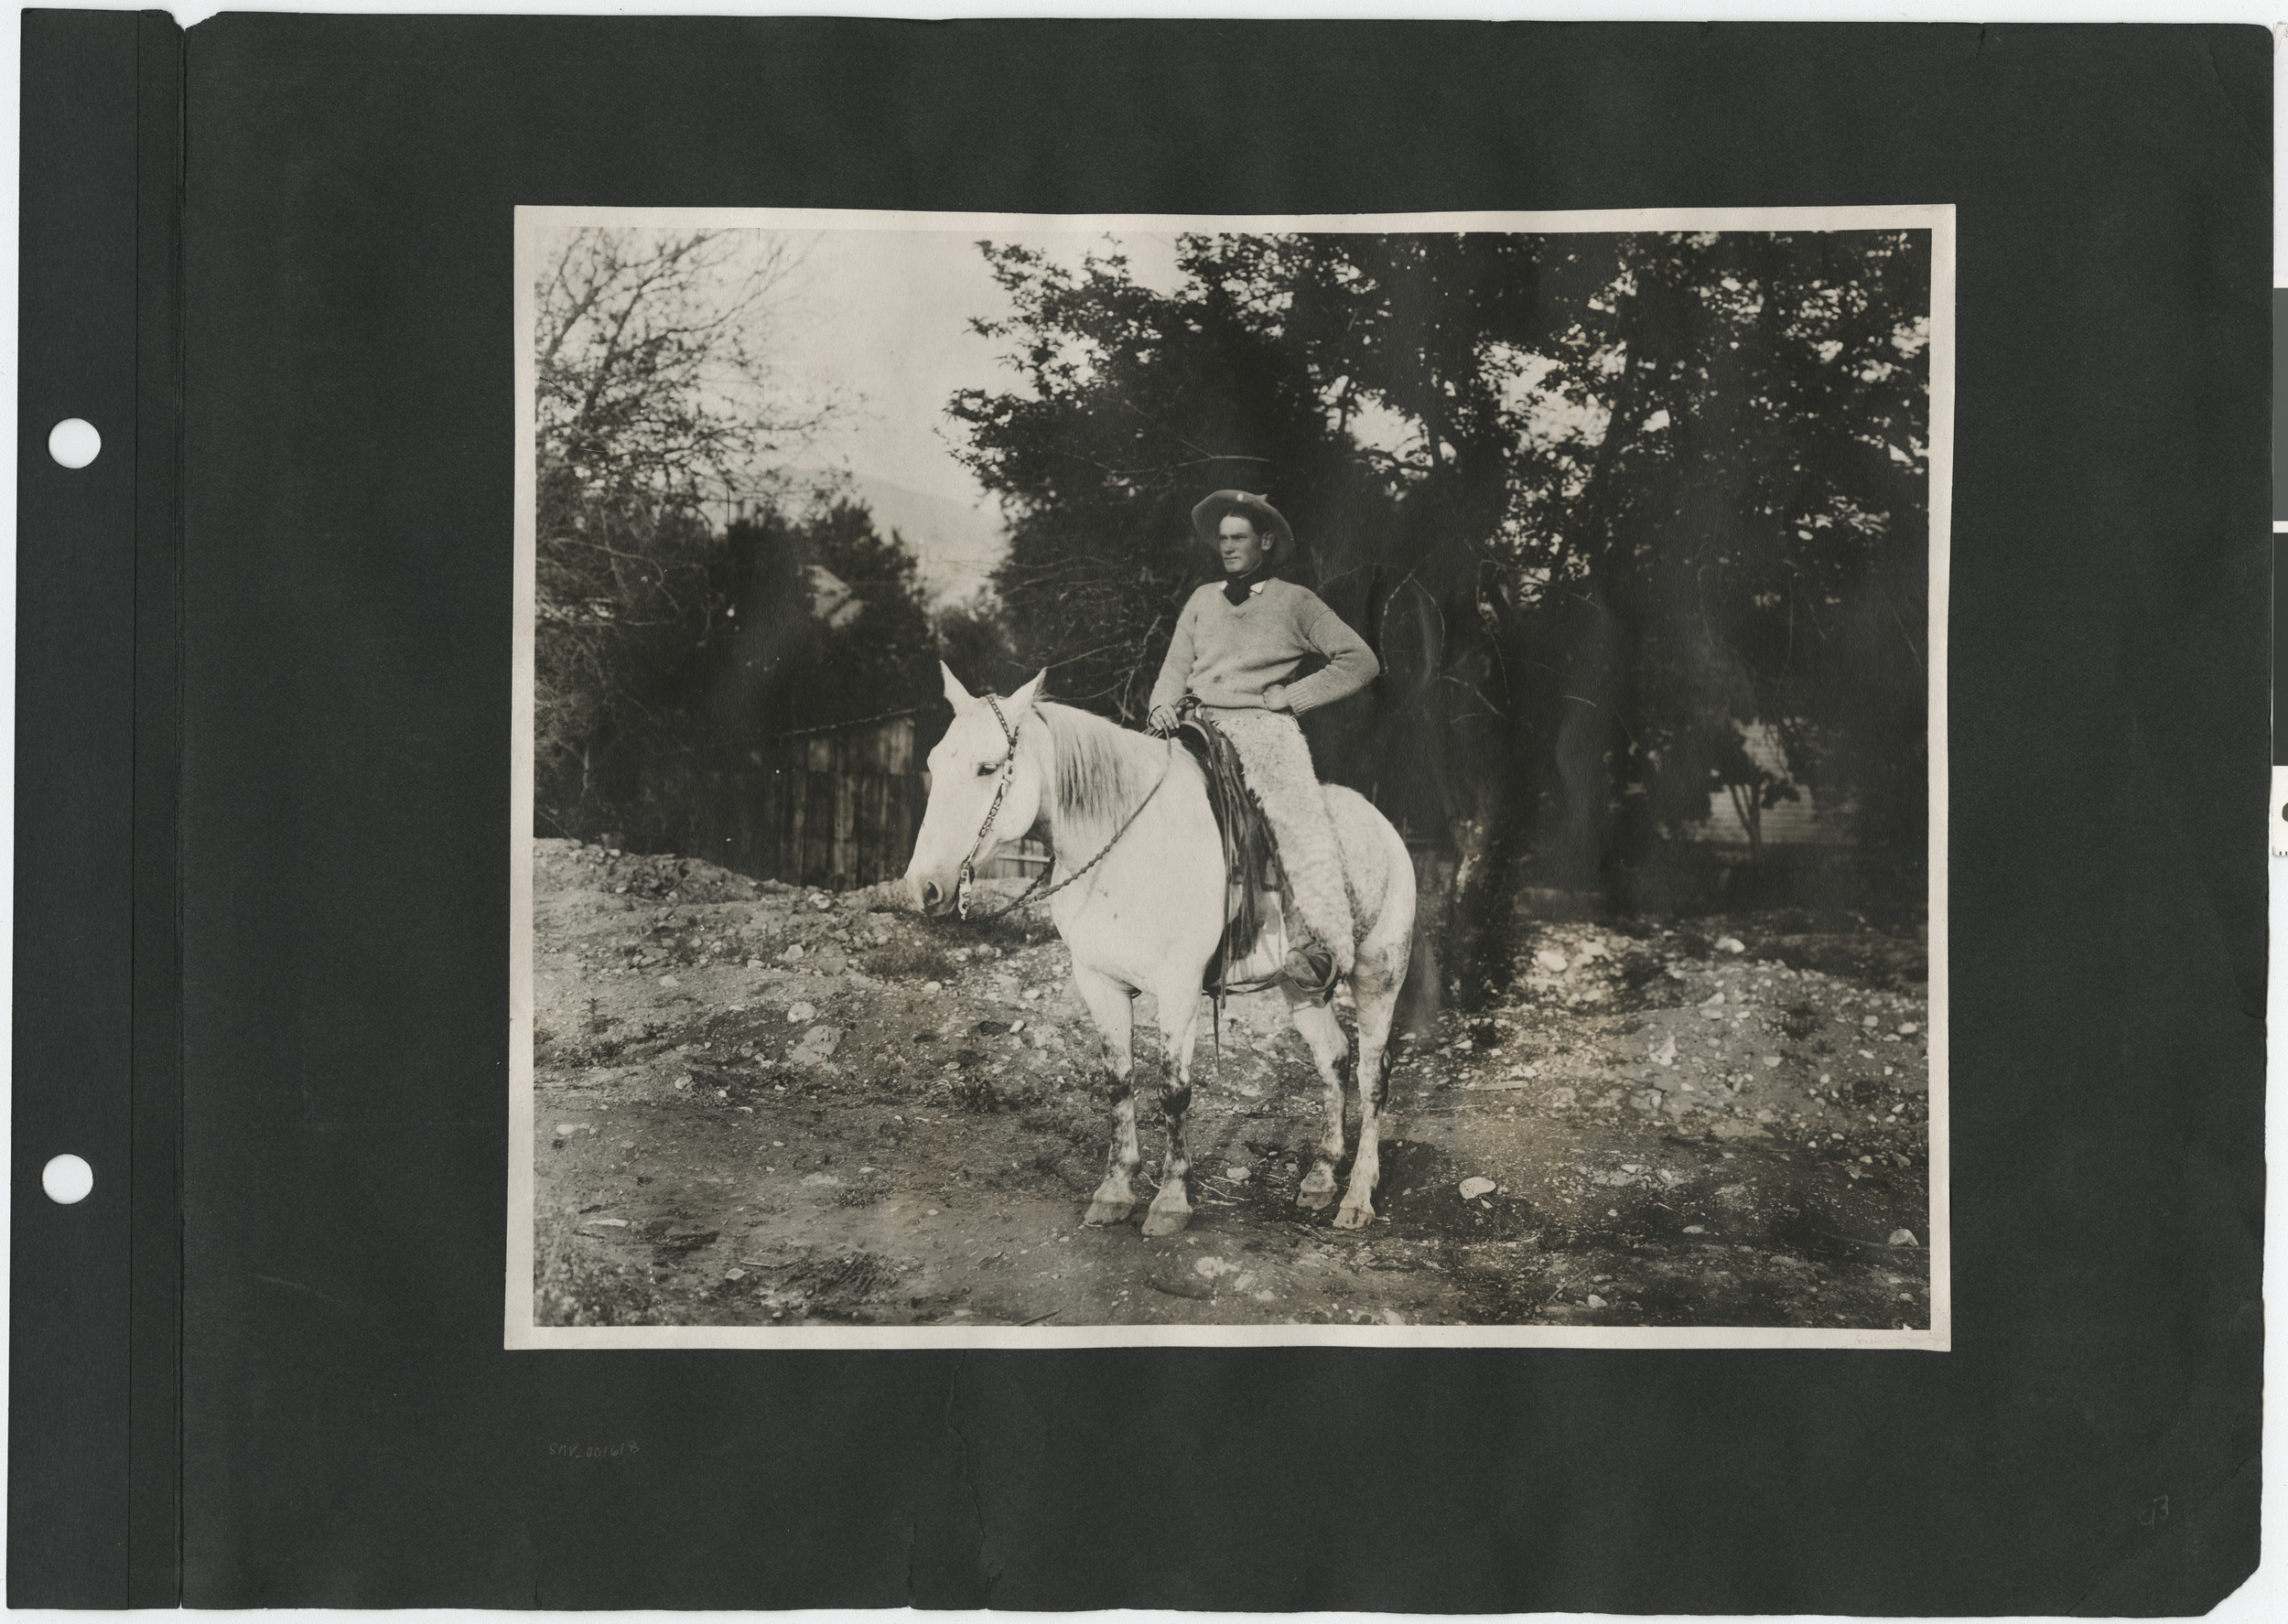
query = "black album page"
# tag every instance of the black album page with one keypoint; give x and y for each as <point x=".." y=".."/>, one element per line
<point x="1434" y="817"/>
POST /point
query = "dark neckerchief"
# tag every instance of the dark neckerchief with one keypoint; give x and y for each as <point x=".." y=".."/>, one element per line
<point x="1236" y="587"/>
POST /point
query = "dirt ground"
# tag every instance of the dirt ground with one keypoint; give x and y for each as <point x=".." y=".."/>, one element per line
<point x="758" y="1105"/>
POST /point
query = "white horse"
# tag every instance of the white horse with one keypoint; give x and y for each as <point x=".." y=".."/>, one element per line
<point x="1139" y="898"/>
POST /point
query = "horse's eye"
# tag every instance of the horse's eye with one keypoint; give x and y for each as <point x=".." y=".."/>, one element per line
<point x="988" y="769"/>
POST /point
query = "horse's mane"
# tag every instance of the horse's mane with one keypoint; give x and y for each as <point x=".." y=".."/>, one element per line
<point x="1102" y="771"/>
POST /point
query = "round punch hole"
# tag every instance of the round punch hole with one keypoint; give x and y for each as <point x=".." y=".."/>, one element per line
<point x="74" y="442"/>
<point x="67" y="1178"/>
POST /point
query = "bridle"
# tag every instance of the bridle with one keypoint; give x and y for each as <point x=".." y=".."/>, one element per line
<point x="1000" y="792"/>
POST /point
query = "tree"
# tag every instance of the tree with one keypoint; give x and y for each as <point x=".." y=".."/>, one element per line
<point x="1135" y="405"/>
<point x="774" y="663"/>
<point x="652" y="393"/>
<point x="1664" y="485"/>
<point x="1598" y="500"/>
<point x="1742" y="494"/>
<point x="974" y="638"/>
<point x="651" y="378"/>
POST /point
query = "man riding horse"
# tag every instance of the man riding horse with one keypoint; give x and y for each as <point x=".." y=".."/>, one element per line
<point x="1141" y="883"/>
<point x="1232" y="663"/>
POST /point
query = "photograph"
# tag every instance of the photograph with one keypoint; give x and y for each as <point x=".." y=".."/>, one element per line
<point x="1124" y="781"/>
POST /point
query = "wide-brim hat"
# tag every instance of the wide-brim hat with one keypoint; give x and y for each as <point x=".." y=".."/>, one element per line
<point x="1216" y="507"/>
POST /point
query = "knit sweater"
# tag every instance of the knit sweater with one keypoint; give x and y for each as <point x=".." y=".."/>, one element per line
<point x="1228" y="655"/>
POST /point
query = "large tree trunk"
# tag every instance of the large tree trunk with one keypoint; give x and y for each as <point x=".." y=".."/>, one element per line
<point x="1488" y="846"/>
<point x="1748" y="806"/>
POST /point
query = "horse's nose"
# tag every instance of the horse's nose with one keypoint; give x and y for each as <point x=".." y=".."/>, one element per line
<point x="930" y="896"/>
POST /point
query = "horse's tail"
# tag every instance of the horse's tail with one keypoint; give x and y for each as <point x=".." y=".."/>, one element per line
<point x="1377" y="868"/>
<point x="1400" y="900"/>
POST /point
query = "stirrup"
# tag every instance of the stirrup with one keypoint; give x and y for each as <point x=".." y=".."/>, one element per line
<point x="1310" y="969"/>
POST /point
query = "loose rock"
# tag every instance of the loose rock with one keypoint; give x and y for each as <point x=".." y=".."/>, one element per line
<point x="817" y="1044"/>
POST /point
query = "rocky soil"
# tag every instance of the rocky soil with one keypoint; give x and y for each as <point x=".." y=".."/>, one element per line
<point x="760" y="1105"/>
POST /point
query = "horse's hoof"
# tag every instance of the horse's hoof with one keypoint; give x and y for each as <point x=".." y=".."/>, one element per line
<point x="1166" y="1221"/>
<point x="1109" y="1212"/>
<point x="1354" y="1217"/>
<point x="1314" y="1199"/>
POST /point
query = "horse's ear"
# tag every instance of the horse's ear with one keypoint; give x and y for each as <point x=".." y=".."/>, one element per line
<point x="955" y="694"/>
<point x="1027" y="695"/>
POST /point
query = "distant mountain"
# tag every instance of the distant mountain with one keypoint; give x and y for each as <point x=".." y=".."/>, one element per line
<point x="959" y="545"/>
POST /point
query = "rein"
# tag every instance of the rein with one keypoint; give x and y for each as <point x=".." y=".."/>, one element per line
<point x="1008" y="771"/>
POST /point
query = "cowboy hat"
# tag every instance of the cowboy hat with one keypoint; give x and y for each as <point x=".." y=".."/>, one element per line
<point x="1266" y="518"/>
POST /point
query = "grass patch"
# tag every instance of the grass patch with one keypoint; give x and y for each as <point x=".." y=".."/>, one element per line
<point x="974" y="1093"/>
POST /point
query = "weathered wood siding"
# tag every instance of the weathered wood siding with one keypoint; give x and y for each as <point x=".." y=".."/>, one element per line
<point x="837" y="808"/>
<point x="1020" y="859"/>
<point x="1801" y="822"/>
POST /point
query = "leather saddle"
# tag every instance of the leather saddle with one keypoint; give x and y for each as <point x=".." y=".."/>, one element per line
<point x="1254" y="951"/>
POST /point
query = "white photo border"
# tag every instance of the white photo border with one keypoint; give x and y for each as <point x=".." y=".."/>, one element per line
<point x="533" y="224"/>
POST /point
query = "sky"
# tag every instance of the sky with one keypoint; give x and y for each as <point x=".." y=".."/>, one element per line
<point x="878" y="322"/>
<point x="882" y="318"/>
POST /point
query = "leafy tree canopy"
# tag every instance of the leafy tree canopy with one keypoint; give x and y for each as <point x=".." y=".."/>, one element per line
<point x="1602" y="501"/>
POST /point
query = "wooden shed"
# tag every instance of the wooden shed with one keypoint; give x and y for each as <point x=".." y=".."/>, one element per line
<point x="1803" y="822"/>
<point x="835" y="807"/>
